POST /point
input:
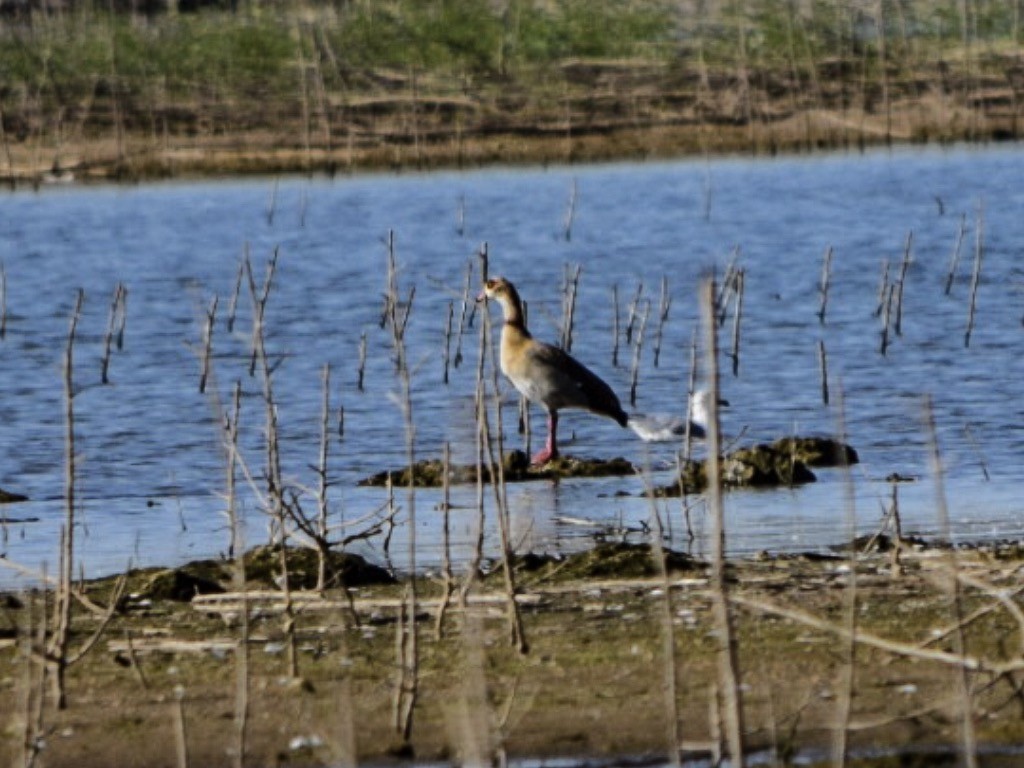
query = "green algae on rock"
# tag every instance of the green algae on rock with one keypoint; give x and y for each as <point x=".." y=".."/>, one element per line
<point x="516" y="467"/>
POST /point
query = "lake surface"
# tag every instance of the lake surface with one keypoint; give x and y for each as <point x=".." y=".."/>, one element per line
<point x="151" y="463"/>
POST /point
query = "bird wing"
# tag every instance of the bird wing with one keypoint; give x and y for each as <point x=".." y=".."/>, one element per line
<point x="570" y="384"/>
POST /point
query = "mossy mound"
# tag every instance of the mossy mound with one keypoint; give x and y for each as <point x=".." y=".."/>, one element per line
<point x="263" y="566"/>
<point x="784" y="463"/>
<point x="818" y="451"/>
<point x="8" y="497"/>
<point x="605" y="561"/>
<point x="516" y="467"/>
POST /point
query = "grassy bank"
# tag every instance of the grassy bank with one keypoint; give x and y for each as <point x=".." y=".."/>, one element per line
<point x="324" y="86"/>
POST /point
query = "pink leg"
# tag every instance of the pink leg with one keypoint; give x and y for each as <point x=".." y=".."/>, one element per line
<point x="551" y="448"/>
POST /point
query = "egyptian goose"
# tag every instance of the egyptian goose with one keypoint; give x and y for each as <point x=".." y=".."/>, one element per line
<point x="547" y="375"/>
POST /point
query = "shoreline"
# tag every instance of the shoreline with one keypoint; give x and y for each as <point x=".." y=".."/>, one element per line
<point x="142" y="159"/>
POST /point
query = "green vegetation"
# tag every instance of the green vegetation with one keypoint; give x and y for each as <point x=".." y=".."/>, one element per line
<point x="364" y="75"/>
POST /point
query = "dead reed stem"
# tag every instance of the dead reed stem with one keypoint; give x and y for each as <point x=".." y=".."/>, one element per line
<point x="180" y="732"/>
<point x="233" y="304"/>
<point x="615" y="326"/>
<point x="361" y="370"/>
<point x="826" y="277"/>
<point x="57" y="651"/>
<point x="954" y="259"/>
<point x="448" y="340"/>
<point x="323" y="530"/>
<point x="447" y="581"/>
<point x="664" y="304"/>
<point x="236" y="552"/>
<point x="272" y="203"/>
<point x="886" y="317"/>
<point x="883" y="289"/>
<point x="113" y="322"/>
<point x="3" y="302"/>
<point x="476" y="559"/>
<point x="496" y="472"/>
<point x="570" y="288"/>
<point x="669" y="682"/>
<point x="632" y="311"/>
<point x="460" y="216"/>
<point x="847" y="670"/>
<point x="634" y="377"/>
<point x="737" y="317"/>
<point x="466" y="304"/>
<point x="976" y="273"/>
<point x="570" y="211"/>
<point x="904" y="265"/>
<point x="204" y="373"/>
<point x="728" y="663"/>
<point x="275" y="480"/>
<point x="961" y="679"/>
<point x="823" y="368"/>
<point x="683" y="457"/>
<point x="407" y="688"/>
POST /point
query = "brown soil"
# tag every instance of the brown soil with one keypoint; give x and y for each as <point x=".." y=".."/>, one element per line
<point x="592" y="684"/>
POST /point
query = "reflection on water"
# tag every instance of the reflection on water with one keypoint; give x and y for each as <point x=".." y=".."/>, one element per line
<point x="151" y="463"/>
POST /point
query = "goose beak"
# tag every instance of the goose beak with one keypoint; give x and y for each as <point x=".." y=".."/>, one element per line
<point x="482" y="296"/>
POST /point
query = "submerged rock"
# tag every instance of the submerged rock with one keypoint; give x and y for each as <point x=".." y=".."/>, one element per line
<point x="516" y="467"/>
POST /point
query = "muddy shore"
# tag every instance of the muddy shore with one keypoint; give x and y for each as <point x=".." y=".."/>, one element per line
<point x="594" y="683"/>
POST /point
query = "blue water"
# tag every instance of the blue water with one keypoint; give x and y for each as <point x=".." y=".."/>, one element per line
<point x="151" y="465"/>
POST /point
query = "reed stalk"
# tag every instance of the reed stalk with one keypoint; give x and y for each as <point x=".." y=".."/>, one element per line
<point x="233" y="304"/>
<point x="823" y="368"/>
<point x="407" y="684"/>
<point x="236" y="551"/>
<point x="615" y="326"/>
<point x="954" y="259"/>
<point x="726" y="648"/>
<point x="204" y="373"/>
<point x="737" y="317"/>
<point x="570" y="288"/>
<point x="57" y="650"/>
<point x="3" y="298"/>
<point x="664" y="304"/>
<point x="848" y="651"/>
<point x="961" y="679"/>
<point x="975" y="274"/>
<point x="631" y="314"/>
<point x="634" y="376"/>
<point x="904" y="265"/>
<point x="570" y="211"/>
<point x="826" y="277"/>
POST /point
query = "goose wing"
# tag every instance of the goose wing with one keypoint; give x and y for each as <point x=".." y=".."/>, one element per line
<point x="564" y="382"/>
